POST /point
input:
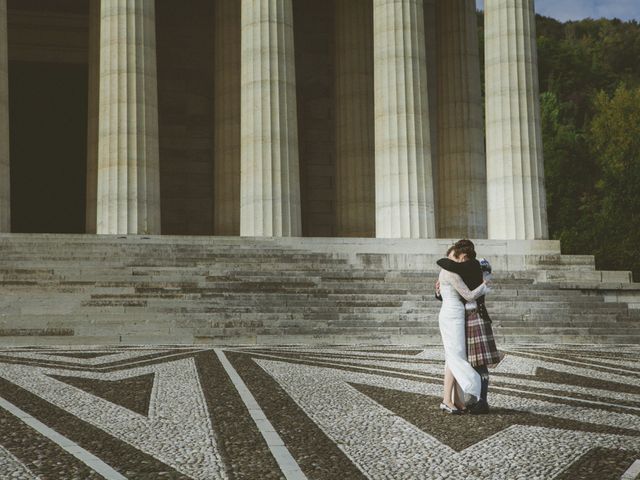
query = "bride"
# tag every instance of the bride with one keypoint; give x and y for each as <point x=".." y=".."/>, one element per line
<point x="459" y="375"/>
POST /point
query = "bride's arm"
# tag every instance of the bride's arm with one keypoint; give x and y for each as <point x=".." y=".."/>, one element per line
<point x="456" y="282"/>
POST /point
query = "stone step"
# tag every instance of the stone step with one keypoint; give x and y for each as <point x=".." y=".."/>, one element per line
<point x="310" y="281"/>
<point x="111" y="339"/>
<point x="352" y="306"/>
<point x="265" y="290"/>
<point x="597" y="276"/>
<point x="112" y="324"/>
<point x="336" y="271"/>
<point x="560" y="260"/>
<point x="238" y="271"/>
<point x="127" y="315"/>
<point x="293" y="329"/>
<point x="362" y="307"/>
<point x="274" y="293"/>
<point x="116" y="292"/>
<point x="308" y="339"/>
<point x="613" y="323"/>
<point x="604" y="319"/>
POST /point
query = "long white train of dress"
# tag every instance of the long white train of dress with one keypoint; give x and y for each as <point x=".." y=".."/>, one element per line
<point x="452" y="329"/>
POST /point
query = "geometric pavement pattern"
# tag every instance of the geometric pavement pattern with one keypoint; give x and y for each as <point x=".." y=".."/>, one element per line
<point x="295" y="412"/>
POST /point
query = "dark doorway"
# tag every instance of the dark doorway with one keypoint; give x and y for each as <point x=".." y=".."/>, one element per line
<point x="48" y="128"/>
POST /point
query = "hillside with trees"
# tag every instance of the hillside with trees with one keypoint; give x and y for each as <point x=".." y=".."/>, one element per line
<point x="590" y="103"/>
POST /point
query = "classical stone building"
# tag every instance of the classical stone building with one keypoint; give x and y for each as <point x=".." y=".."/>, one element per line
<point x="336" y="118"/>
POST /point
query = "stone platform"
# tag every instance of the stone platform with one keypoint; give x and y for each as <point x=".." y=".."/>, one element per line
<point x="81" y="289"/>
<point x="303" y="412"/>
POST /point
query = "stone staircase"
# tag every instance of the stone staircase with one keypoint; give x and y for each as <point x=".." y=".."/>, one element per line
<point x="81" y="289"/>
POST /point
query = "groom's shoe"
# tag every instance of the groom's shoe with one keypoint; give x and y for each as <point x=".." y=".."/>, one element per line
<point x="481" y="407"/>
<point x="451" y="411"/>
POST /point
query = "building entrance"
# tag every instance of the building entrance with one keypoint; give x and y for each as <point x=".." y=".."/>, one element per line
<point x="48" y="111"/>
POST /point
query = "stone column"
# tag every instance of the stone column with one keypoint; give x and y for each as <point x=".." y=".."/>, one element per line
<point x="128" y="159"/>
<point x="431" y="37"/>
<point x="226" y="207"/>
<point x="404" y="190"/>
<point x="355" y="161"/>
<point x="462" y="183"/>
<point x="91" y="212"/>
<point x="515" y="174"/>
<point x="5" y="180"/>
<point x="270" y="177"/>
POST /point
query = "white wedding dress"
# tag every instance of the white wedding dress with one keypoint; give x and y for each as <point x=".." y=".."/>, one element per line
<point x="452" y="329"/>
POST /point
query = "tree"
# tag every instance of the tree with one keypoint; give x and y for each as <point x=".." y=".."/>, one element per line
<point x="614" y="138"/>
<point x="590" y="104"/>
<point x="569" y="172"/>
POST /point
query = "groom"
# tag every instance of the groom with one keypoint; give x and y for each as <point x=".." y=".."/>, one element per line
<point x="481" y="349"/>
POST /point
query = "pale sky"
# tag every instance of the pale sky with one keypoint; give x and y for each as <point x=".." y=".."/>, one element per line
<point x="577" y="9"/>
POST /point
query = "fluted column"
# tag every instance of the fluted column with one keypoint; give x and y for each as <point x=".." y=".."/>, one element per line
<point x="5" y="180"/>
<point x="515" y="175"/>
<point x="128" y="164"/>
<point x="226" y="207"/>
<point x="93" y="102"/>
<point x="462" y="182"/>
<point x="404" y="190"/>
<point x="270" y="177"/>
<point x="355" y="162"/>
<point x="431" y="37"/>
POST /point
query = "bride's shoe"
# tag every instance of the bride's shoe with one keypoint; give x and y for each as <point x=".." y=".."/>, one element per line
<point x="447" y="409"/>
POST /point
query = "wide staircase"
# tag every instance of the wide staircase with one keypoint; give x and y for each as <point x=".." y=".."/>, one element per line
<point x="81" y="289"/>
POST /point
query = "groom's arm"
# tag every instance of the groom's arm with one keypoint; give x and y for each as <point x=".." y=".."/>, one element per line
<point x="450" y="265"/>
<point x="465" y="269"/>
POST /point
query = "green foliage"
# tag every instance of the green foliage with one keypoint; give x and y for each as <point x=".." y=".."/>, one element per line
<point x="614" y="137"/>
<point x="569" y="168"/>
<point x="590" y="105"/>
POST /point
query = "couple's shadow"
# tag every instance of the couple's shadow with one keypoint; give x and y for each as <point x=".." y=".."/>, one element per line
<point x="462" y="431"/>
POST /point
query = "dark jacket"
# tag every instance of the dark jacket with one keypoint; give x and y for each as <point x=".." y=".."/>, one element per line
<point x="471" y="275"/>
<point x="469" y="271"/>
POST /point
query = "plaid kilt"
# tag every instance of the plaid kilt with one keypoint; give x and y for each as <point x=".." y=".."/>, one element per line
<point x="481" y="346"/>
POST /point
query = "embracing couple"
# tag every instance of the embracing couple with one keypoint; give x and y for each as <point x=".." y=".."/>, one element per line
<point x="465" y="326"/>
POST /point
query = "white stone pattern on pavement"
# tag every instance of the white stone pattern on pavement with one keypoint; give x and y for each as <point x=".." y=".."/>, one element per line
<point x="377" y="440"/>
<point x="177" y="430"/>
<point x="590" y="393"/>
<point x="12" y="468"/>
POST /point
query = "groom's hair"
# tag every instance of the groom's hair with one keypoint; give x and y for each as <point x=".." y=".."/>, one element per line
<point x="465" y="247"/>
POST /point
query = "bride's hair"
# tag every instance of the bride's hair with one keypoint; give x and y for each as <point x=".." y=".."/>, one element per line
<point x="465" y="247"/>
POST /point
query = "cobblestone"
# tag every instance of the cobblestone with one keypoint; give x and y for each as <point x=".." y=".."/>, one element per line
<point x="557" y="412"/>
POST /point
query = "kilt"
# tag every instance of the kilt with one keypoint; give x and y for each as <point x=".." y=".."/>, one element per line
<point x="481" y="346"/>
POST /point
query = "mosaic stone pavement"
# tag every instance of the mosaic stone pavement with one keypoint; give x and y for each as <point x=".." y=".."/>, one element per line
<point x="558" y="412"/>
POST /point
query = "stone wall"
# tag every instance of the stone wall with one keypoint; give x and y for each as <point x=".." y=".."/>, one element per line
<point x="185" y="95"/>
<point x="315" y="73"/>
<point x="47" y="120"/>
<point x="185" y="49"/>
<point x="185" y="91"/>
<point x="185" y="54"/>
